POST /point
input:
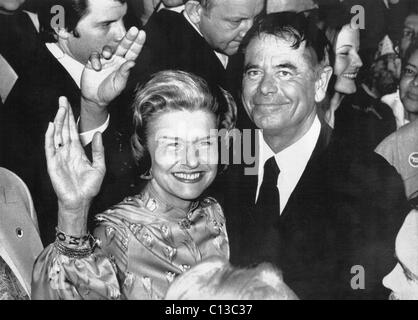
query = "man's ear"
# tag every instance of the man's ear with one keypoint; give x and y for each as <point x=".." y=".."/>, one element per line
<point x="321" y="83"/>
<point x="62" y="33"/>
<point x="194" y="10"/>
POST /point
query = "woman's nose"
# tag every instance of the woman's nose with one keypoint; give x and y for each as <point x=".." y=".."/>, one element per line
<point x="192" y="157"/>
<point x="357" y="61"/>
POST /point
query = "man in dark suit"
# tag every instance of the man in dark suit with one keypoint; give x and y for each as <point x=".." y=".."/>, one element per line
<point x="199" y="40"/>
<point x="18" y="34"/>
<point x="32" y="103"/>
<point x="203" y="39"/>
<point x="327" y="218"/>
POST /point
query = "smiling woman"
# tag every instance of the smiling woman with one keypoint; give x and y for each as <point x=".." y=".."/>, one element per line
<point x="345" y="42"/>
<point x="143" y="243"/>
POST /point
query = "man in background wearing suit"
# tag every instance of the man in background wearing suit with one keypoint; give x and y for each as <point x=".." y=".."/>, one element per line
<point x="89" y="26"/>
<point x="312" y="208"/>
<point x="203" y="39"/>
<point x="199" y="40"/>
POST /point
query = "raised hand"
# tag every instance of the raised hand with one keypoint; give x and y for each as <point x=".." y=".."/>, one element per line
<point x="75" y="179"/>
<point x="106" y="74"/>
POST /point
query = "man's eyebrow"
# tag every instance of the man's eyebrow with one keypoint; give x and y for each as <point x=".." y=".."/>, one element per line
<point x="106" y="21"/>
<point x="286" y="65"/>
<point x="237" y="18"/>
<point x="346" y="45"/>
<point x="249" y="66"/>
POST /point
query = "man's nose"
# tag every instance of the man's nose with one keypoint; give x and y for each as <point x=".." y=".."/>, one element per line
<point x="268" y="85"/>
<point x="120" y="30"/>
<point x="246" y="26"/>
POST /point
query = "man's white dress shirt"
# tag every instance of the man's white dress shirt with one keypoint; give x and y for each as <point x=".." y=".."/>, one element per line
<point x="291" y="161"/>
<point x="75" y="70"/>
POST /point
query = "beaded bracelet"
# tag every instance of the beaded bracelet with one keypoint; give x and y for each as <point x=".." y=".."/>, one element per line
<point x="71" y="240"/>
<point x="76" y="253"/>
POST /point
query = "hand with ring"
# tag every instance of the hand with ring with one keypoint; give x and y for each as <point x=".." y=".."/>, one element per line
<point x="76" y="180"/>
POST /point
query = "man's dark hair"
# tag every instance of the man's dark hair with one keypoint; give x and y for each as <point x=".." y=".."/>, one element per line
<point x="74" y="10"/>
<point x="295" y="28"/>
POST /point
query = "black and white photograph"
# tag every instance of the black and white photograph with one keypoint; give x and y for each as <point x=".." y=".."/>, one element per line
<point x="221" y="151"/>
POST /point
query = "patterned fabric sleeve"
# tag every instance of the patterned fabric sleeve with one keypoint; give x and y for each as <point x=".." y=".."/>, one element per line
<point x="56" y="276"/>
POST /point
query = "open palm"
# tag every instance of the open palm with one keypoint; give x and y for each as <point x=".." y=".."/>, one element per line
<point x="105" y="75"/>
<point x="75" y="179"/>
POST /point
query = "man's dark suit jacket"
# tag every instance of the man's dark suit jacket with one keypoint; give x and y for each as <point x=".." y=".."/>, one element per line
<point x="173" y="44"/>
<point x="18" y="40"/>
<point x="32" y="103"/>
<point x="344" y="212"/>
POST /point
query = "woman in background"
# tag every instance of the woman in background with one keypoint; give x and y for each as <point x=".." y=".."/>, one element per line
<point x="345" y="43"/>
<point x="359" y="123"/>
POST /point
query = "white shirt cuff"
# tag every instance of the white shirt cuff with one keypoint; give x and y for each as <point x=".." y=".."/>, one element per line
<point x="87" y="137"/>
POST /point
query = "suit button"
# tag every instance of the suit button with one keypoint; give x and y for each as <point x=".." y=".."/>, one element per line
<point x="19" y="232"/>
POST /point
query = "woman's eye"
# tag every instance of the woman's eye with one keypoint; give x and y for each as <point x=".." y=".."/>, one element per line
<point x="174" y="145"/>
<point x="206" y="143"/>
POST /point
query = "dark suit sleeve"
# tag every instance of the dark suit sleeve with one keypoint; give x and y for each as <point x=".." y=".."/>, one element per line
<point x="374" y="212"/>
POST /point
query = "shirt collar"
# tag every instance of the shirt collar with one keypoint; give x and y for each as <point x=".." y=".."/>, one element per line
<point x="73" y="67"/>
<point x="223" y="58"/>
<point x="178" y="9"/>
<point x="294" y="157"/>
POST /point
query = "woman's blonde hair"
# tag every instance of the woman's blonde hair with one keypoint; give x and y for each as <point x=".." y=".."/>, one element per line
<point x="172" y="90"/>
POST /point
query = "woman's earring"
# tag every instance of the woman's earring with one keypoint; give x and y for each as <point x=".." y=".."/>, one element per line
<point x="147" y="175"/>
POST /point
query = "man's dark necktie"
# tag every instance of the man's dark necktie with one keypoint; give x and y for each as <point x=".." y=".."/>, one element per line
<point x="264" y="245"/>
<point x="268" y="197"/>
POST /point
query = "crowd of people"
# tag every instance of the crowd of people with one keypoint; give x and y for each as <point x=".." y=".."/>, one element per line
<point x="208" y="149"/>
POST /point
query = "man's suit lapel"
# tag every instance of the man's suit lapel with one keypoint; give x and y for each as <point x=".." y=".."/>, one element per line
<point x="306" y="178"/>
<point x="193" y="50"/>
